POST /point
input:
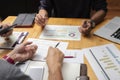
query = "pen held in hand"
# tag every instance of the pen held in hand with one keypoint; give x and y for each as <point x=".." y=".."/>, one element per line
<point x="7" y="48"/>
<point x="57" y="44"/>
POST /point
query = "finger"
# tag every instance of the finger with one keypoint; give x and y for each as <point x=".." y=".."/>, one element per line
<point x="38" y="21"/>
<point x="26" y="43"/>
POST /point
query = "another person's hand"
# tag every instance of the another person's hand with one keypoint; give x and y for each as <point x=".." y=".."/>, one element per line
<point x="23" y="52"/>
<point x="86" y="27"/>
<point x="5" y="26"/>
<point x="41" y="18"/>
<point x="54" y="59"/>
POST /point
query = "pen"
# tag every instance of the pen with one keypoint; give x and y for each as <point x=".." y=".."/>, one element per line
<point x="9" y="48"/>
<point x="69" y="57"/>
<point x="57" y="44"/>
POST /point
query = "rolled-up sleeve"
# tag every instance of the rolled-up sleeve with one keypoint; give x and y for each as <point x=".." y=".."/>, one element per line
<point x="11" y="72"/>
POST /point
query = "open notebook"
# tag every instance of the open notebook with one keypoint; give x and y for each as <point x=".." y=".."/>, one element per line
<point x="39" y="71"/>
<point x="110" y="31"/>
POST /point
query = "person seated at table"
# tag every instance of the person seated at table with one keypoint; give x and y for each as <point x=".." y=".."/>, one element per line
<point x="73" y="9"/>
<point x="25" y="51"/>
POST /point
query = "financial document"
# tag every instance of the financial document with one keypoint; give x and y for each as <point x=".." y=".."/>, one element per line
<point x="61" y="32"/>
<point x="105" y="61"/>
<point x="43" y="46"/>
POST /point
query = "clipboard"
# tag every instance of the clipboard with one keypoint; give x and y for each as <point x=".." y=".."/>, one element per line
<point x="13" y="40"/>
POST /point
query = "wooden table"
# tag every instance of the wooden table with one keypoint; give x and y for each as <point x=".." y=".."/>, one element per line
<point x="85" y="42"/>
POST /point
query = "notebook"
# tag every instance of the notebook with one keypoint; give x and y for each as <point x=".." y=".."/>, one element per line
<point x="39" y="71"/>
<point x="25" y="20"/>
<point x="110" y="31"/>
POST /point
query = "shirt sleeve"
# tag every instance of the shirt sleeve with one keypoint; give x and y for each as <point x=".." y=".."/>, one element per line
<point x="100" y="5"/>
<point x="47" y="5"/>
<point x="11" y="72"/>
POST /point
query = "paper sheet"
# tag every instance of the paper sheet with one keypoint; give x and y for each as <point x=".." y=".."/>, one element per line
<point x="61" y="32"/>
<point x="105" y="61"/>
<point x="43" y="46"/>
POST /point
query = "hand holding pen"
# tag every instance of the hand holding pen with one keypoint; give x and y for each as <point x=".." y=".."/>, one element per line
<point x="64" y="56"/>
<point x="3" y="32"/>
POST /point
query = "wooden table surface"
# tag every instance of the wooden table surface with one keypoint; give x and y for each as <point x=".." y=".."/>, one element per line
<point x="85" y="42"/>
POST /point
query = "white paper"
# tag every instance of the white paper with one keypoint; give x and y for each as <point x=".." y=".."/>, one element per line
<point x="43" y="46"/>
<point x="61" y="32"/>
<point x="105" y="61"/>
<point x="77" y="54"/>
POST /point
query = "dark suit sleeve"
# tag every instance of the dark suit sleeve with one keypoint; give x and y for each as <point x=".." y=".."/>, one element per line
<point x="100" y="5"/>
<point x="47" y="5"/>
<point x="10" y="72"/>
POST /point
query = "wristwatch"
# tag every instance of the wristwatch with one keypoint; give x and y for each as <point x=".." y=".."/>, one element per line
<point x="92" y="23"/>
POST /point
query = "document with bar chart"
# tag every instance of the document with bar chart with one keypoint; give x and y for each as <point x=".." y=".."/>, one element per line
<point x="105" y="61"/>
<point x="61" y="32"/>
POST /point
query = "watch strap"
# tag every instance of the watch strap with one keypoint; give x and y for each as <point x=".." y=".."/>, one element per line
<point x="8" y="59"/>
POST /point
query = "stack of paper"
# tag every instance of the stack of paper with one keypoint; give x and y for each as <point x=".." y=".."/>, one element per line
<point x="71" y="56"/>
<point x="105" y="61"/>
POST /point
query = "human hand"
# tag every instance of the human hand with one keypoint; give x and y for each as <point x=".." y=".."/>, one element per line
<point x="5" y="26"/>
<point x="23" y="52"/>
<point x="54" y="59"/>
<point x="86" y="28"/>
<point x="41" y="18"/>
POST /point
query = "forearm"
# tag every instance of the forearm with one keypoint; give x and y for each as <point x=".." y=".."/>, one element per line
<point x="98" y="16"/>
<point x="55" y="74"/>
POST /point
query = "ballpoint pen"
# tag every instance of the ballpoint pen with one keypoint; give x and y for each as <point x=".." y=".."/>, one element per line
<point x="57" y="44"/>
